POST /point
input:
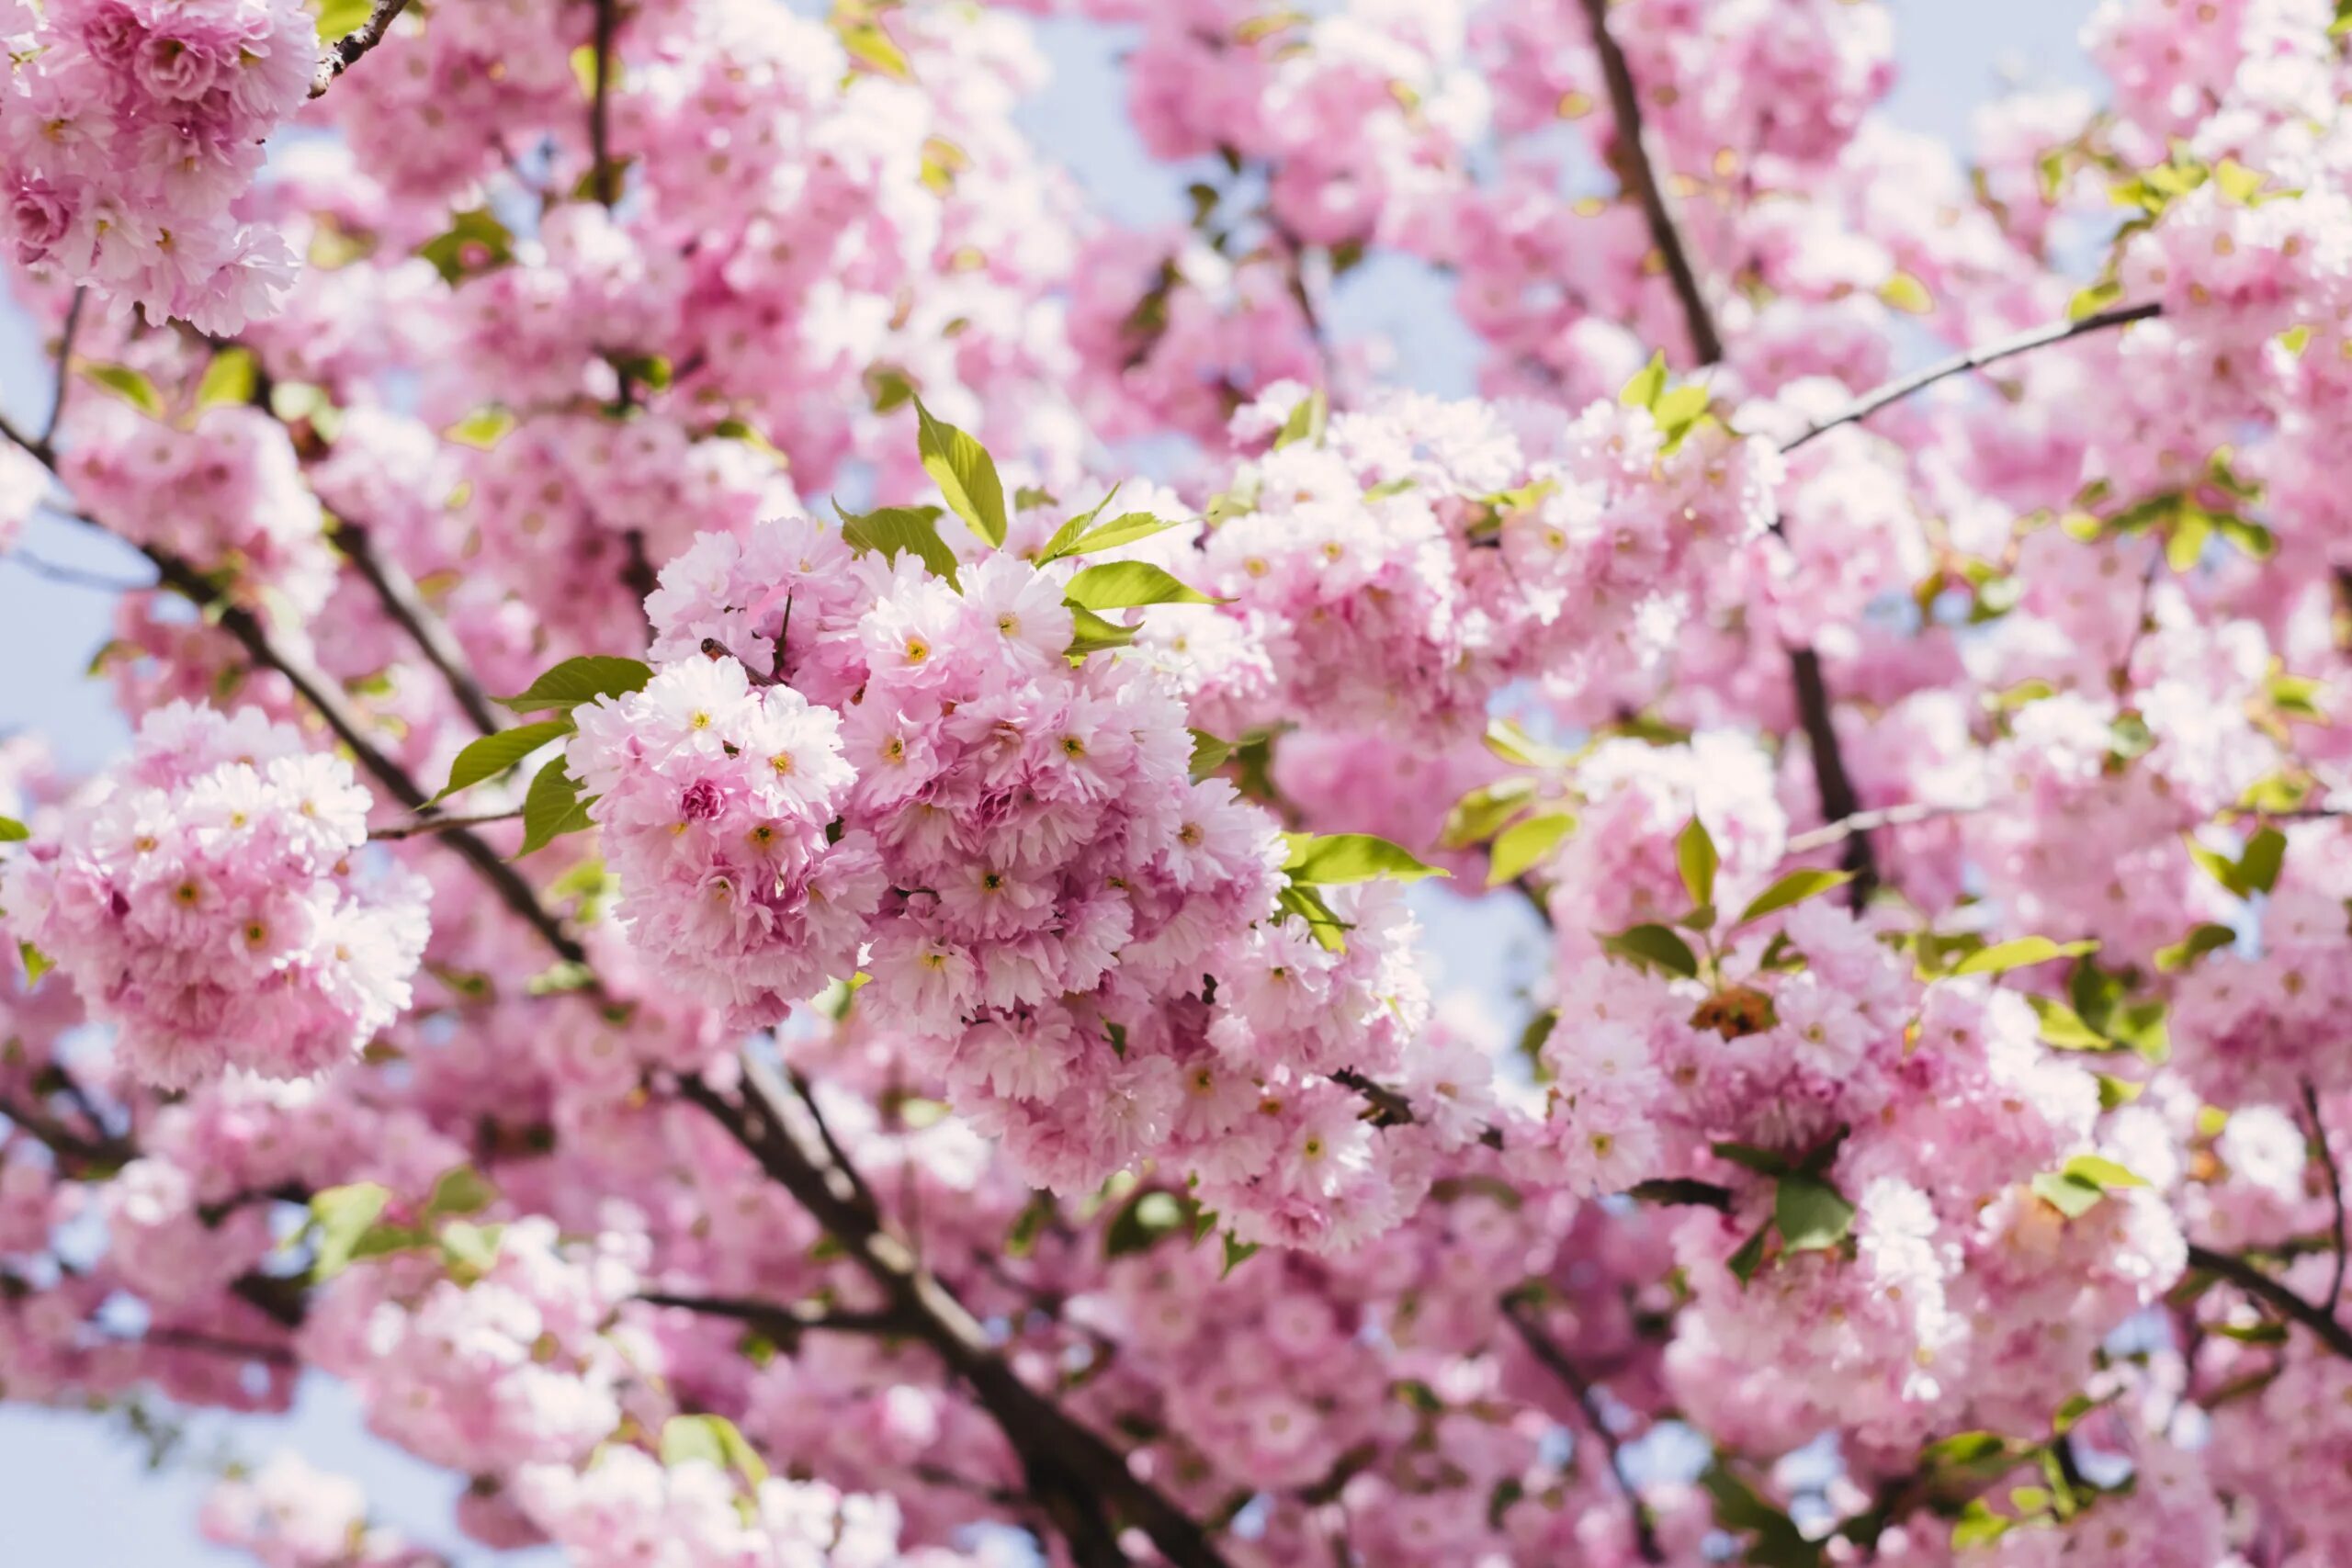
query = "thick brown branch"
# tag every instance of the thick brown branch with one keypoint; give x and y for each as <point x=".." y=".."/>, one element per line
<point x="785" y="1323"/>
<point x="605" y="175"/>
<point x="347" y="49"/>
<point x="1075" y="1472"/>
<point x="431" y="633"/>
<point x="1637" y="170"/>
<point x="1871" y="402"/>
<point x="2278" y="1297"/>
<point x="1540" y="1346"/>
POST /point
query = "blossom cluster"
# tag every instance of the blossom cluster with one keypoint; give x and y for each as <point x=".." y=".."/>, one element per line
<point x="206" y="899"/>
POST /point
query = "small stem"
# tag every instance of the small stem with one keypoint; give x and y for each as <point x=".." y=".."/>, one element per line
<point x="73" y="577"/>
<point x="1838" y="802"/>
<point x="2335" y="1189"/>
<point x="1884" y="816"/>
<point x="785" y="1323"/>
<point x="425" y="826"/>
<point x="65" y="369"/>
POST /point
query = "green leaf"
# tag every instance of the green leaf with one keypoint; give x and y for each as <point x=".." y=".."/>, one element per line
<point x="342" y="1215"/>
<point x="1148" y="1218"/>
<point x="1643" y="390"/>
<point x="2070" y="1196"/>
<point x="2266" y="853"/>
<point x="1125" y="584"/>
<point x="2204" y="939"/>
<point x="474" y="242"/>
<point x="1812" y="1214"/>
<point x="869" y="45"/>
<point x="129" y="385"/>
<point x="1522" y="844"/>
<point x="1745" y="1262"/>
<point x="582" y="679"/>
<point x="1695" y="856"/>
<point x="37" y="962"/>
<point x="2025" y="951"/>
<point x="2063" y="1028"/>
<point x="1750" y="1156"/>
<point x="1907" y="294"/>
<point x="1328" y="860"/>
<point x="1654" y="946"/>
<point x="482" y="429"/>
<point x="338" y="19"/>
<point x="551" y="807"/>
<point x="493" y="754"/>
<point x="1236" y="1253"/>
<point x="1507" y="740"/>
<point x="469" y="1250"/>
<point x="714" y="1440"/>
<point x="13" y="832"/>
<point x="461" y="1190"/>
<point x="231" y="378"/>
<point x="2092" y="301"/>
<point x="1306" y="422"/>
<point x="1328" y="930"/>
<point x="1965" y="1449"/>
<point x="1209" y="753"/>
<point x="2101" y="1172"/>
<point x="1485" y="811"/>
<point x="2216" y="865"/>
<point x="1978" y="1526"/>
<point x="897" y="530"/>
<point x="1123" y="529"/>
<point x="1090" y="633"/>
<point x="965" y="474"/>
<point x="1794" y="888"/>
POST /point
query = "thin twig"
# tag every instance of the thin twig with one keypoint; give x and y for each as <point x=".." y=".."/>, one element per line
<point x="1867" y="821"/>
<point x="1895" y="391"/>
<point x="425" y="826"/>
<point x="73" y="577"/>
<point x="431" y="633"/>
<point x="347" y="49"/>
<point x="1540" y="1345"/>
<point x="64" y="368"/>
<point x="2265" y="1289"/>
<point x="784" y="1323"/>
<point x="806" y="1093"/>
<point x="216" y="1344"/>
<point x="2335" y="1189"/>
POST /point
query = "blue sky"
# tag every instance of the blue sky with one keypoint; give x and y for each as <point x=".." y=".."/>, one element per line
<point x="78" y="1493"/>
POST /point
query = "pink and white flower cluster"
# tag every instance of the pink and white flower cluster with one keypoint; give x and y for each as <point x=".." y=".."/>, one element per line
<point x="206" y="899"/>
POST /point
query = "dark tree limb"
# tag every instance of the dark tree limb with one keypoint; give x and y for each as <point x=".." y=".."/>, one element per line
<point x="431" y="633"/>
<point x="1538" y="1344"/>
<point x="2278" y="1297"/>
<point x="2334" y="1192"/>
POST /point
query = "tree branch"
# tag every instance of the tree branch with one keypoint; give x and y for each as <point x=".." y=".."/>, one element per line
<point x="2269" y="1291"/>
<point x="1838" y="802"/>
<point x="2334" y="1190"/>
<point x="1866" y="821"/>
<point x="605" y="175"/>
<point x="1392" y="1108"/>
<point x="1637" y="170"/>
<point x="785" y="1323"/>
<point x="425" y="827"/>
<point x="1073" y="1472"/>
<point x="1871" y="402"/>
<point x="1540" y="1346"/>
<point x="430" y="632"/>
<point x="64" y="368"/>
<point x="347" y="49"/>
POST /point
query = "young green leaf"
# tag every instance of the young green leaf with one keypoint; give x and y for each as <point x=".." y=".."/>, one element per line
<point x="2024" y="952"/>
<point x="459" y="1190"/>
<point x="37" y="962"/>
<point x="2069" y="1195"/>
<point x="1522" y="844"/>
<point x="13" y="832"/>
<point x="1306" y="421"/>
<point x="1123" y="529"/>
<point x="965" y="474"/>
<point x="2063" y="1028"/>
<point x="1125" y="584"/>
<point x="1695" y="856"/>
<point x="1643" y="389"/>
<point x="551" y="807"/>
<point x="1209" y="753"/>
<point x="1350" y="857"/>
<point x="342" y="1215"/>
<point x="1091" y="633"/>
<point x="582" y="679"/>
<point x="231" y="378"/>
<point x="493" y="754"/>
<point x="1812" y="1214"/>
<point x="1328" y="930"/>
<point x="1794" y="888"/>
<point x="899" y="530"/>
<point x="1655" y="946"/>
<point x="129" y="385"/>
<point x="713" y="1441"/>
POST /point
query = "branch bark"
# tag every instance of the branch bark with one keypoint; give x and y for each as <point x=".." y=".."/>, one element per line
<point x="347" y="49"/>
<point x="1540" y="1346"/>
<point x="428" y="631"/>
<point x="2271" y="1293"/>
<point x="1074" y="1472"/>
